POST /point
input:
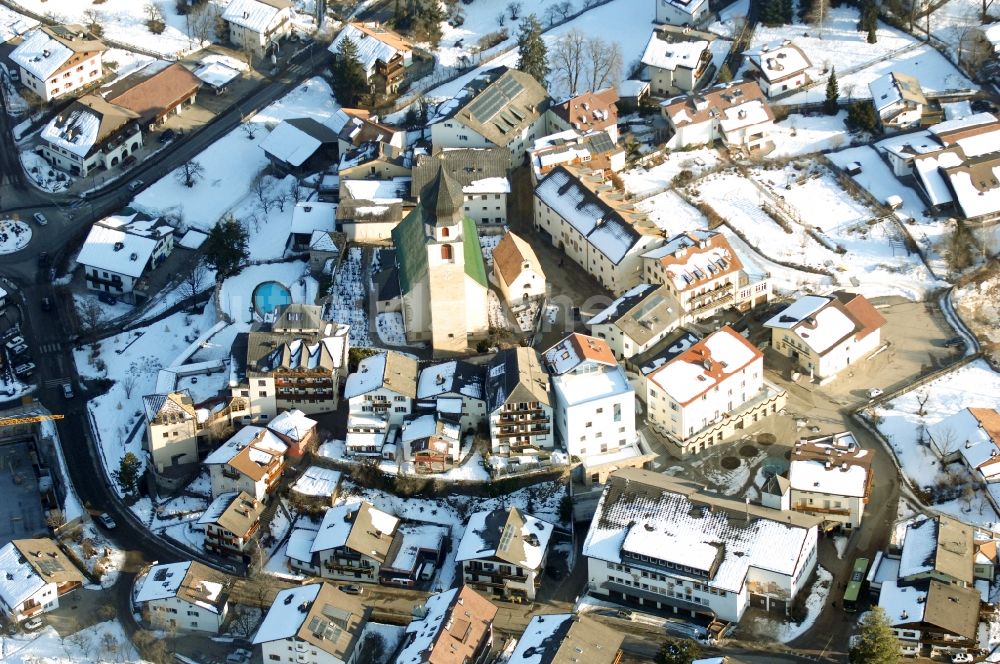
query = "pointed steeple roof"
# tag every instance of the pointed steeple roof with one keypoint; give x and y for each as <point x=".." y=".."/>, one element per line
<point x="443" y="200"/>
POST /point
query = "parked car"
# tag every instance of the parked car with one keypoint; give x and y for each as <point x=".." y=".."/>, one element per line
<point x="43" y="259"/>
<point x="128" y="162"/>
<point x="350" y="589"/>
<point x="954" y="342"/>
<point x="11" y="333"/>
<point x="168" y="135"/>
<point x="47" y="304"/>
<point x="107" y="521"/>
<point x="874" y="392"/>
<point x="31" y="624"/>
<point x="14" y="342"/>
<point x="107" y="298"/>
<point x="25" y="369"/>
<point x="40" y="219"/>
<point x="238" y="656"/>
<point x="67" y="391"/>
<point x="135" y="185"/>
<point x="18" y="349"/>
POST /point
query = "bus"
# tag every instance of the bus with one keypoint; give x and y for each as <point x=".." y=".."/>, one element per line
<point x="855" y="585"/>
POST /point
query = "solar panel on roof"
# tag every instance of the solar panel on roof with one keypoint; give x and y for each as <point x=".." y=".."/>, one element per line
<point x="510" y="86"/>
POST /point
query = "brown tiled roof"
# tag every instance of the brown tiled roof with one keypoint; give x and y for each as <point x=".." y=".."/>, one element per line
<point x="160" y="92"/>
<point x="48" y="561"/>
<point x="384" y="35"/>
<point x="512" y="255"/>
<point x="699" y="107"/>
<point x="468" y="619"/>
<point x="334" y="622"/>
<point x="365" y="538"/>
<point x="591" y="111"/>
<point x="193" y="590"/>
<point x="679" y="260"/>
<point x="860" y="309"/>
<point x="701" y="355"/>
<point x="241" y="515"/>
<point x="590" y="641"/>
<point x="952" y="608"/>
<point x="989" y="419"/>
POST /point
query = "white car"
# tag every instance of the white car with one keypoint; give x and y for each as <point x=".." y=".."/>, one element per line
<point x="874" y="392"/>
<point x="961" y="657"/>
<point x="31" y="624"/>
<point x="107" y="521"/>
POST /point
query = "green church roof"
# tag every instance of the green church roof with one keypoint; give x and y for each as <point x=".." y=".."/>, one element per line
<point x="411" y="249"/>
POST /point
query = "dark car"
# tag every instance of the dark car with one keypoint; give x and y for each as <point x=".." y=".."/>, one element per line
<point x="107" y="298"/>
<point x="350" y="590"/>
<point x="43" y="259"/>
<point x="954" y="342"/>
<point x="168" y="135"/>
<point x="47" y="304"/>
<point x="25" y="369"/>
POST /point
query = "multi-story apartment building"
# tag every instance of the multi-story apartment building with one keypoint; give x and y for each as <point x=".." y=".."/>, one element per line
<point x="899" y="101"/>
<point x="658" y="542"/>
<point x="442" y="383"/>
<point x="594" y="405"/>
<point x="588" y="112"/>
<point x="583" y="215"/>
<point x="683" y="12"/>
<point x="352" y="542"/>
<point x="502" y="108"/>
<point x="482" y="174"/>
<point x="932" y="618"/>
<point x="452" y="626"/>
<point x="635" y="322"/>
<point x="937" y="547"/>
<point x="568" y="637"/>
<point x="831" y="477"/>
<point x="519" y="403"/>
<point x="503" y="553"/>
<point x="708" y="392"/>
<point x="701" y="270"/>
<point x="677" y="59"/>
<point x="34" y="574"/>
<point x="252" y="460"/>
<point x="312" y="624"/>
<point x="183" y="597"/>
<point x="735" y="113"/>
<point x="294" y="362"/>
<point x="430" y="443"/>
<point x="89" y="134"/>
<point x="596" y="150"/>
<point x="231" y="522"/>
<point x="55" y="60"/>
<point x="258" y="25"/>
<point x="823" y="335"/>
<point x="380" y="395"/>
<point x="176" y="428"/>
<point x="382" y="53"/>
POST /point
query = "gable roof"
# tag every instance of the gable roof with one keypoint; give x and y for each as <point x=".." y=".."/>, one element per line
<point x="467" y="166"/>
<point x="515" y="375"/>
<point x="895" y="87"/>
<point x="938" y="544"/>
<point x="360" y="527"/>
<point x="510" y="101"/>
<point x="28" y="565"/>
<point x="734" y="105"/>
<point x="392" y="370"/>
<point x="122" y="244"/>
<point x="778" y="60"/>
<point x="189" y="580"/>
<point x="576" y="349"/>
<point x="294" y="141"/>
<point x="693" y="258"/>
<point x="236" y="513"/>
<point x="669" y="48"/>
<point x="255" y="15"/>
<point x="590" y="111"/>
<point x="83" y="126"/>
<point x="512" y="256"/>
<point x="507" y="535"/>
<point x="453" y="625"/>
<point x="456" y="377"/>
<point x="49" y="48"/>
<point x="374" y="43"/>
<point x="151" y="95"/>
<point x="825" y="322"/>
<point x="566" y="639"/>
<point x="319" y="614"/>
<point x="641" y="312"/>
<point x="173" y="405"/>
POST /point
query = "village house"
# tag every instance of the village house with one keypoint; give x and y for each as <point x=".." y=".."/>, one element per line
<point x="635" y="322"/>
<point x="383" y="54"/>
<point x="375" y="160"/>
<point x="440" y="385"/>
<point x="823" y="335"/>
<point x="519" y="404"/>
<point x="231" y="522"/>
<point x="931" y="617"/>
<point x="594" y="406"/>
<point x="300" y="146"/>
<point x="482" y="175"/>
<point x="155" y="93"/>
<point x="584" y="216"/>
<point x="295" y="430"/>
<point x="183" y="597"/>
<point x="34" y="574"/>
<point x="252" y="461"/>
<point x="503" y="553"/>
<point x="677" y="60"/>
<point x="586" y="113"/>
<point x="56" y="60"/>
<point x="779" y="67"/>
<point x="258" y="26"/>
<point x="563" y="637"/>
<point x="430" y="442"/>
<point x="294" y="362"/>
<point x="176" y="429"/>
<point x="309" y="217"/>
<point x="312" y="624"/>
<point x="502" y="108"/>
<point x="735" y="113"/>
<point x="570" y="148"/>
<point x="898" y="100"/>
<point x="517" y="271"/>
<point x="352" y="543"/>
<point x="937" y="547"/>
<point x="452" y="626"/>
<point x="659" y="542"/>
<point x="972" y="434"/>
<point x="90" y="133"/>
<point x="709" y="392"/>
<point x="379" y="395"/>
<point x="831" y="477"/>
<point x="683" y="12"/>
<point x="121" y="250"/>
<point x="703" y="272"/>
<point x="356" y="127"/>
<point x="368" y="222"/>
<point x="442" y="273"/>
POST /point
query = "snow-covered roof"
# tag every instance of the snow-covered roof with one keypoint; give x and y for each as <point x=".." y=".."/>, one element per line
<point x="976" y="183"/>
<point x="215" y="74"/>
<point x="414" y="538"/>
<point x="192" y="239"/>
<point x="927" y="169"/>
<point x="622" y="305"/>
<point x="300" y="543"/>
<point x="382" y="192"/>
<point x="893" y="88"/>
<point x="117" y="245"/>
<point x="284" y="619"/>
<point x="311" y="216"/>
<point x="692" y="259"/>
<point x="938" y="544"/>
<point x="603" y="226"/>
<point x="778" y="60"/>
<point x="18" y="580"/>
<point x="974" y="433"/>
<point x="293" y="424"/>
<point x="373" y="44"/>
<point x="162" y="581"/>
<point x="46" y="50"/>
<point x="487" y="186"/>
<point x="510" y="535"/>
<point x="670" y="55"/>
<point x="317" y="481"/>
<point x="835" y="466"/>
<point x="290" y="144"/>
<point x="342" y="523"/>
<point x="255" y="15"/>
<point x="903" y="605"/>
<point x="705" y="365"/>
<point x="391" y="370"/>
<point x="642" y="513"/>
<point x="453" y="377"/>
<point x="452" y="626"/>
<point x="632" y="88"/>
<point x="541" y="630"/>
<point x="584" y="369"/>
<point x="824" y="322"/>
<point x="249" y="436"/>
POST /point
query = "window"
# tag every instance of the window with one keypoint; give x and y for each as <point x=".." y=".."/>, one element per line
<point x="276" y="658"/>
<point x="446" y="253"/>
<point x="618" y="412"/>
<point x="445" y="232"/>
<point x="262" y="393"/>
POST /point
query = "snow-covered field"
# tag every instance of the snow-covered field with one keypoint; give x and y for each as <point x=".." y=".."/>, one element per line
<point x="101" y="643"/>
<point x="642" y="181"/>
<point x="232" y="163"/>
<point x="901" y="425"/>
<point x="802" y="134"/>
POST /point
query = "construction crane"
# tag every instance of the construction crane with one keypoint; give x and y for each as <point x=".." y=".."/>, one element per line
<point x="28" y="419"/>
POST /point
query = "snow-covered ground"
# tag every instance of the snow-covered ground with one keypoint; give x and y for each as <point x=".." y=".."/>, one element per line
<point x="99" y="644"/>
<point x="390" y="328"/>
<point x="802" y="134"/>
<point x="643" y="182"/>
<point x="14" y="235"/>
<point x="236" y="294"/>
<point x="900" y="423"/>
<point x="105" y="559"/>
<point x="232" y="163"/>
<point x="42" y="174"/>
<point x="789" y="631"/>
<point x="13" y="24"/>
<point x="347" y="298"/>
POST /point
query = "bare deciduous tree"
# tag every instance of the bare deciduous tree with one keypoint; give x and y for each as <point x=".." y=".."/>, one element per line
<point x="90" y="314"/>
<point x="249" y="128"/>
<point x="922" y="397"/>
<point x="565" y="8"/>
<point x="567" y="59"/>
<point x="190" y="172"/>
<point x="193" y="279"/>
<point x="501" y="18"/>
<point x="605" y="62"/>
<point x="514" y="9"/>
<point x="129" y="380"/>
<point x="152" y="11"/>
<point x="262" y="189"/>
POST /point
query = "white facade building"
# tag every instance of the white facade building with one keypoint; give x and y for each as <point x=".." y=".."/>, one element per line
<point x="121" y="249"/>
<point x="34" y="574"/>
<point x="780" y="67"/>
<point x="251" y="460"/>
<point x="185" y="596"/>
<point x="635" y="322"/>
<point x="519" y="404"/>
<point x="89" y="134"/>
<point x="682" y="12"/>
<point x="831" y="477"/>
<point x="379" y="395"/>
<point x="676" y="60"/>
<point x="517" y="271"/>
<point x="659" y="542"/>
<point x="56" y="60"/>
<point x="735" y="113"/>
<point x="258" y="25"/>
<point x="898" y="100"/>
<point x="456" y="379"/>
